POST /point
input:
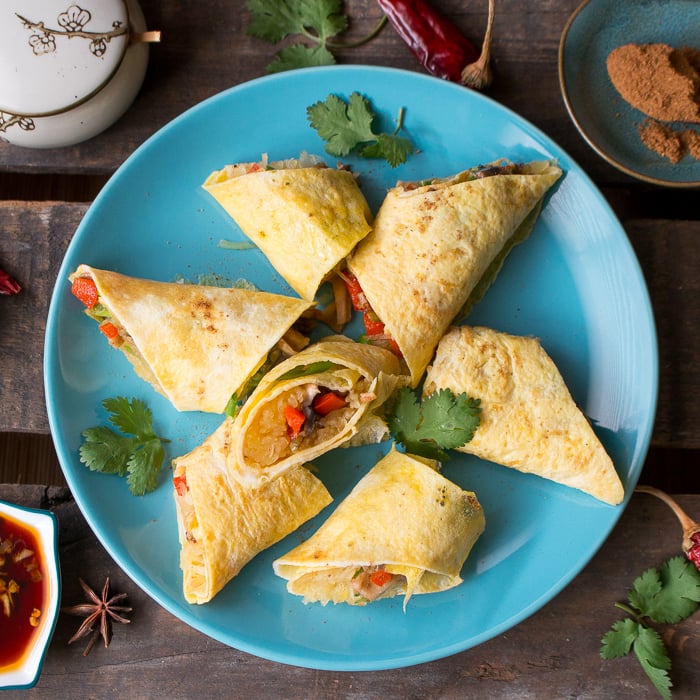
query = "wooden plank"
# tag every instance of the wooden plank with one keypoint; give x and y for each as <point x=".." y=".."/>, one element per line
<point x="670" y="259"/>
<point x="552" y="654"/>
<point x="32" y="245"/>
<point x="666" y="249"/>
<point x="206" y="50"/>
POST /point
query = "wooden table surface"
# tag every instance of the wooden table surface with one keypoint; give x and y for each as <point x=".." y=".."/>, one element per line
<point x="554" y="653"/>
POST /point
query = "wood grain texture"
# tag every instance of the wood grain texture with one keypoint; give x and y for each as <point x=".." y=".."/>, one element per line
<point x="205" y="49"/>
<point x="37" y="234"/>
<point x="552" y="654"/>
<point x="34" y="240"/>
<point x="670" y="258"/>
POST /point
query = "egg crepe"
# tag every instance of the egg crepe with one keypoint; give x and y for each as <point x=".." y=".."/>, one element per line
<point x="403" y="530"/>
<point x="197" y="345"/>
<point x="434" y="244"/>
<point x="304" y="218"/>
<point x="529" y="421"/>
<point x="358" y="376"/>
<point x="222" y="525"/>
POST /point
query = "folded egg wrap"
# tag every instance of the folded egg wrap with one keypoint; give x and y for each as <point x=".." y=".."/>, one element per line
<point x="195" y="344"/>
<point x="305" y="220"/>
<point x="433" y="245"/>
<point x="364" y="374"/>
<point x="402" y="516"/>
<point x="223" y="525"/>
<point x="529" y="420"/>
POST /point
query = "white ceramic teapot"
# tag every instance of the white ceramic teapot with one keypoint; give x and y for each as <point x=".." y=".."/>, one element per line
<point x="68" y="71"/>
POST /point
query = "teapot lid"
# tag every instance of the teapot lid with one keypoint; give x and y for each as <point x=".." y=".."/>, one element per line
<point x="54" y="57"/>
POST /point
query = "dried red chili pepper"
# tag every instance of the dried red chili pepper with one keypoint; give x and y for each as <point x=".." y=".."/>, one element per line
<point x="8" y="285"/>
<point x="693" y="552"/>
<point x="691" y="529"/>
<point x="436" y="41"/>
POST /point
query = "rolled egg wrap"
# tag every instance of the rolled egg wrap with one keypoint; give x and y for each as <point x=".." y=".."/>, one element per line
<point x="222" y="525"/>
<point x="529" y="420"/>
<point x="364" y="375"/>
<point x="437" y="246"/>
<point x="197" y="345"/>
<point x="404" y="529"/>
<point x="305" y="217"/>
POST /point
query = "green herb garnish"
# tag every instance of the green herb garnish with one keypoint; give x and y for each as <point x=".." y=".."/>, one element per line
<point x="307" y="370"/>
<point x="317" y="21"/>
<point x="442" y="421"/>
<point x="138" y="454"/>
<point x="667" y="595"/>
<point x="347" y="126"/>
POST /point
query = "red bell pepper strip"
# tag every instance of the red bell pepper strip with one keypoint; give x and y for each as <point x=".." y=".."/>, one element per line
<point x="329" y="401"/>
<point x="434" y="39"/>
<point x="380" y="578"/>
<point x="86" y="290"/>
<point x="373" y="325"/>
<point x="109" y="329"/>
<point x="357" y="296"/>
<point x="180" y="484"/>
<point x="295" y="420"/>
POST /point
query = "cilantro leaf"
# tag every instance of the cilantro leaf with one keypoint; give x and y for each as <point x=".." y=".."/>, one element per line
<point x="644" y="588"/>
<point x="394" y="149"/>
<point x="105" y="451"/>
<point x="143" y="474"/>
<point x="346" y="126"/>
<point x="665" y="595"/>
<point x="442" y="421"/>
<point x="679" y="596"/>
<point x="324" y="17"/>
<point x="138" y="454"/>
<point x="300" y="56"/>
<point x="650" y="650"/>
<point x="316" y="20"/>
<point x="618" y="641"/>
<point x="132" y="417"/>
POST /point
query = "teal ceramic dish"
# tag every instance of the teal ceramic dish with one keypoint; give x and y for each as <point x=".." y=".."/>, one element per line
<point x="575" y="284"/>
<point x="604" y="119"/>
<point x="24" y="672"/>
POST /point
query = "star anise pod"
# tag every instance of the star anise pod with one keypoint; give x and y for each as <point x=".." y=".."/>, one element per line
<point x="102" y="608"/>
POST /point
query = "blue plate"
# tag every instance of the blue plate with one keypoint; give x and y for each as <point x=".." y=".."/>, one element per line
<point x="576" y="284"/>
<point x="604" y="119"/>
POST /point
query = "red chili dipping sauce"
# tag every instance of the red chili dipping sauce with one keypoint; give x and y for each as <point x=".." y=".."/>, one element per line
<point x="23" y="590"/>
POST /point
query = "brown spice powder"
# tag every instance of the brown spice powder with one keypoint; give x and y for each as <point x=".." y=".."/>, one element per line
<point x="663" y="83"/>
<point x="658" y="80"/>
<point x="662" y="139"/>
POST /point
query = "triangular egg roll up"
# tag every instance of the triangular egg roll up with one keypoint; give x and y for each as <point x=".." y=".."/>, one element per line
<point x="435" y="243"/>
<point x="197" y="345"/>
<point x="529" y="420"/>
<point x="403" y="530"/>
<point x="332" y="393"/>
<point x="305" y="218"/>
<point x="222" y="525"/>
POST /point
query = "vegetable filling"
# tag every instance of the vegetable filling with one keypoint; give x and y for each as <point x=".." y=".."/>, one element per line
<point x="302" y="417"/>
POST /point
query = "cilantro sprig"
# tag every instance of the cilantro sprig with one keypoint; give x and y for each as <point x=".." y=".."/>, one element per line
<point x="665" y="595"/>
<point x="347" y="126"/>
<point x="440" y="422"/>
<point x="138" y="453"/>
<point x="315" y="20"/>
